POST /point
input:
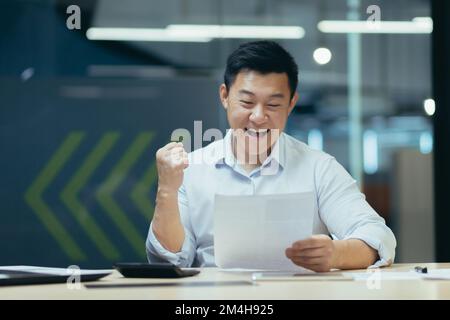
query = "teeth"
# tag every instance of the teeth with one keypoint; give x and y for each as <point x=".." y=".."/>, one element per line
<point x="258" y="131"/>
<point x="254" y="132"/>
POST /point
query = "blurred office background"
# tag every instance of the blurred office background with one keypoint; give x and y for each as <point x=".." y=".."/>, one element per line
<point x="82" y="112"/>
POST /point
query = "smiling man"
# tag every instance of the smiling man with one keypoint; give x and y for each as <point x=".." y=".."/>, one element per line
<point x="257" y="157"/>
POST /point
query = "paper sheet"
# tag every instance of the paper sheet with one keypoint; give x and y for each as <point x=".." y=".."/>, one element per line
<point x="382" y="276"/>
<point x="295" y="276"/>
<point x="433" y="274"/>
<point x="253" y="232"/>
<point x="53" y="271"/>
<point x="437" y="274"/>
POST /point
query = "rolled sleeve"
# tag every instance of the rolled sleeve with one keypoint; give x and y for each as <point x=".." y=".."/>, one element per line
<point x="185" y="257"/>
<point x="347" y="215"/>
<point x="380" y="238"/>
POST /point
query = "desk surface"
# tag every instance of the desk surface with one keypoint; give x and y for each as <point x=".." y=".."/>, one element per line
<point x="322" y="289"/>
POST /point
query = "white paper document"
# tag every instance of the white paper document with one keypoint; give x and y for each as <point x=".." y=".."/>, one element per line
<point x="432" y="274"/>
<point x="437" y="274"/>
<point x="54" y="271"/>
<point x="253" y="232"/>
<point x="375" y="274"/>
<point x="295" y="276"/>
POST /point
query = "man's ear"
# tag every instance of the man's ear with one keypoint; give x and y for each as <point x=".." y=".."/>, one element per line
<point x="223" y="92"/>
<point x="293" y="102"/>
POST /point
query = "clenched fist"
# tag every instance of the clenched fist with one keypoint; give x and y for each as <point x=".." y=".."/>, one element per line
<point x="171" y="160"/>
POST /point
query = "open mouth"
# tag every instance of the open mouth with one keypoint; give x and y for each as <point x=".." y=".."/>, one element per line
<point x="257" y="133"/>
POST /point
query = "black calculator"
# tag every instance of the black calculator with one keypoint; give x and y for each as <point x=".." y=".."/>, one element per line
<point x="153" y="270"/>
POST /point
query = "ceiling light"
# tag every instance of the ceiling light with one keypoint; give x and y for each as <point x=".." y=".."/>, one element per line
<point x="429" y="106"/>
<point x="237" y="31"/>
<point x="417" y="25"/>
<point x="196" y="33"/>
<point x="140" y="34"/>
<point x="322" y="55"/>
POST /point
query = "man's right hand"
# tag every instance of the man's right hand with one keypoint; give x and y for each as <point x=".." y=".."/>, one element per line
<point x="171" y="160"/>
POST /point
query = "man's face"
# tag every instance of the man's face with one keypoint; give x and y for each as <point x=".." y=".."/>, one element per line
<point x="257" y="107"/>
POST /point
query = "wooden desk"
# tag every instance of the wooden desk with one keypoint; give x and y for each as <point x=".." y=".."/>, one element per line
<point x="273" y="290"/>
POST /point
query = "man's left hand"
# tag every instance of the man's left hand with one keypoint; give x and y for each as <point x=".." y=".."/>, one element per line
<point x="317" y="253"/>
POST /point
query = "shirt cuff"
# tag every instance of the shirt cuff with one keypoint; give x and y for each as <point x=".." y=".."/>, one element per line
<point x="156" y="252"/>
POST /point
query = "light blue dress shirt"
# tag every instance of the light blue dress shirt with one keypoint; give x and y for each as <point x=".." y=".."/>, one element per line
<point x="291" y="167"/>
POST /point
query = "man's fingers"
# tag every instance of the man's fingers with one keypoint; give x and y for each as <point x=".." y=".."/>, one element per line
<point x="309" y="260"/>
<point x="312" y="253"/>
<point x="172" y="145"/>
<point x="306" y="265"/>
<point x="176" y="153"/>
<point x="309" y="252"/>
<point x="184" y="157"/>
<point x="185" y="163"/>
<point x="289" y="252"/>
<point x="167" y="150"/>
<point x="318" y="267"/>
<point x="176" y="149"/>
<point x="309" y="243"/>
<point x="181" y="158"/>
<point x="314" y="267"/>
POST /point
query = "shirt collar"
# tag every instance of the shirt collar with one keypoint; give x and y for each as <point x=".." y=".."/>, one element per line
<point x="224" y="152"/>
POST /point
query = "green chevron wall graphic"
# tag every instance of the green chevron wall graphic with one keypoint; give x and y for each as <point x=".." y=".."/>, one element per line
<point x="144" y="205"/>
<point x="116" y="177"/>
<point x="33" y="197"/>
<point x="80" y="212"/>
<point x="104" y="194"/>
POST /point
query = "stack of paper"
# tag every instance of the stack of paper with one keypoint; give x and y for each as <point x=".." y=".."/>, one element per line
<point x="54" y="271"/>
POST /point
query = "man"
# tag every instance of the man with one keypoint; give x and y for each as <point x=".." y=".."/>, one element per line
<point x="258" y="94"/>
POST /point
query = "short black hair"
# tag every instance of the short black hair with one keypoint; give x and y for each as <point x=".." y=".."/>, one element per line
<point x="263" y="57"/>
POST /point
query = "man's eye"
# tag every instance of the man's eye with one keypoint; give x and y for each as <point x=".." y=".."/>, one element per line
<point x="273" y="105"/>
<point x="245" y="102"/>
